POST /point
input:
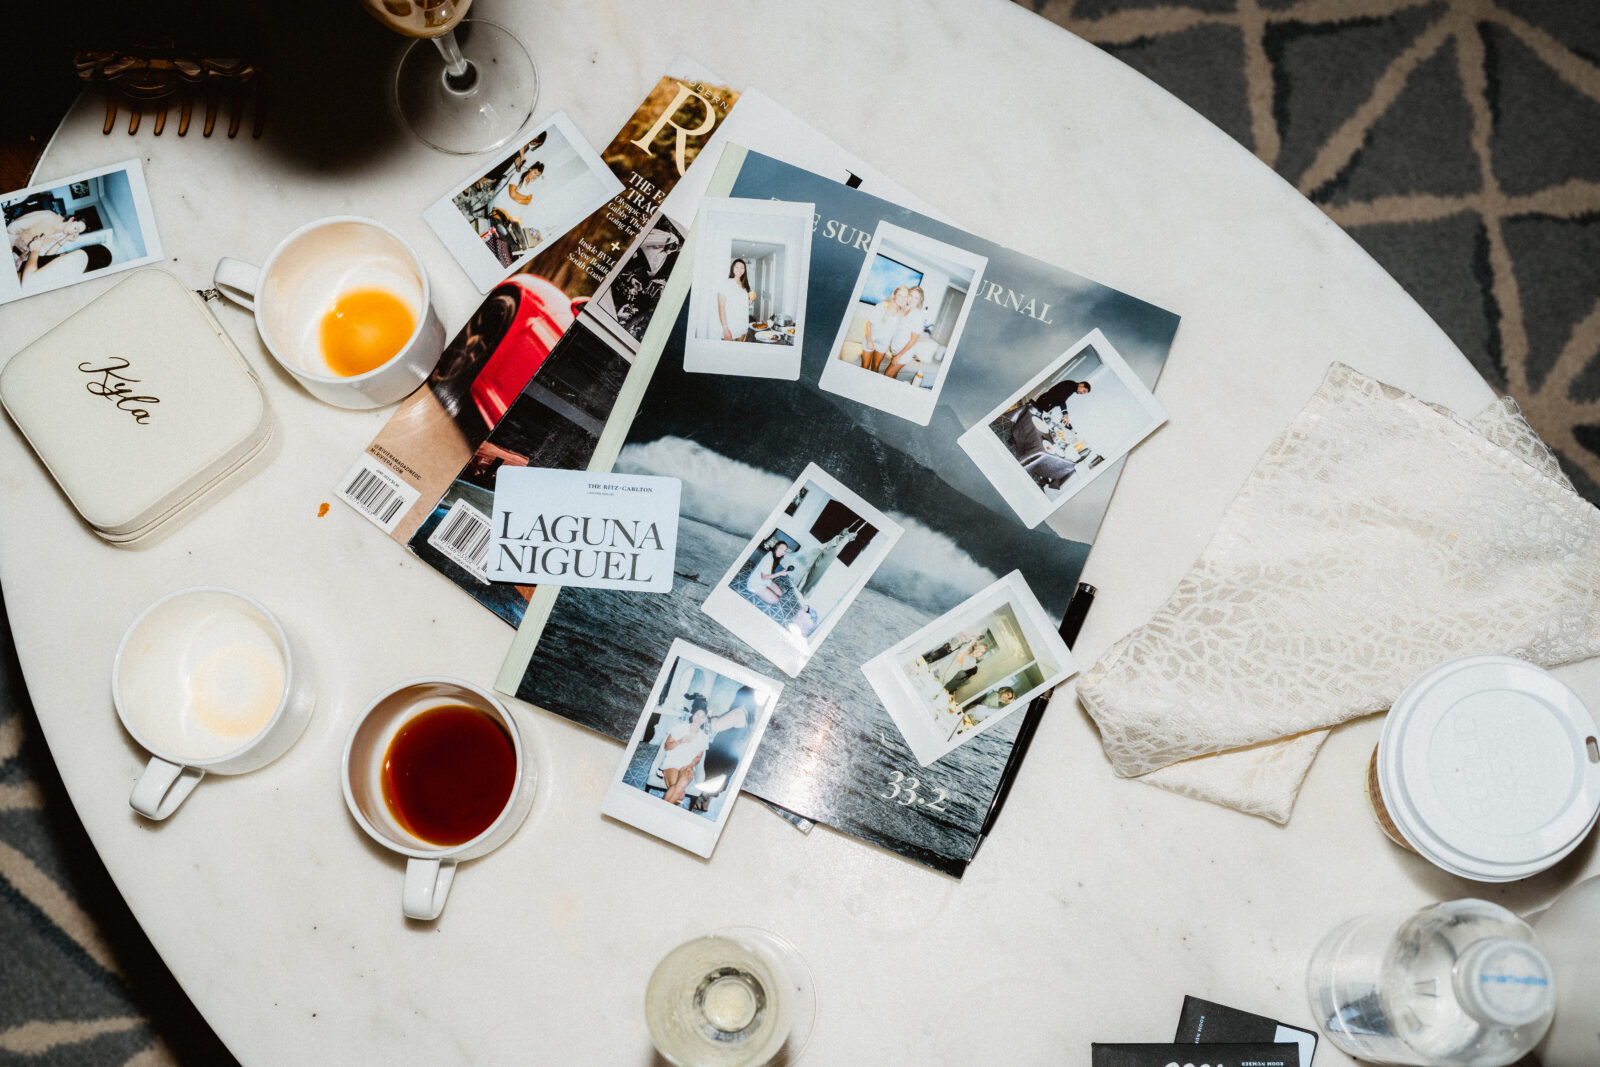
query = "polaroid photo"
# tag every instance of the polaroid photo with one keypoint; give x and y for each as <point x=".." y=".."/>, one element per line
<point x="691" y="748"/>
<point x="84" y="226"/>
<point x="970" y="668"/>
<point x="903" y="323"/>
<point x="747" y="300"/>
<point x="792" y="582"/>
<point x="1062" y="430"/>
<point x="495" y="221"/>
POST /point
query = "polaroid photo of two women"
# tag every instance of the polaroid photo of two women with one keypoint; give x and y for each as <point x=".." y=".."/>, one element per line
<point x="970" y="668"/>
<point x="497" y="219"/>
<point x="691" y="747"/>
<point x="77" y="228"/>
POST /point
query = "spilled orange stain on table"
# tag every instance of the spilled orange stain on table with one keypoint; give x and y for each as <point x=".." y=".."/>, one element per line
<point x="323" y="510"/>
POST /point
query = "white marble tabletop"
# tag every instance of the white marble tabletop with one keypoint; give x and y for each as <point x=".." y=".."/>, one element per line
<point x="1096" y="904"/>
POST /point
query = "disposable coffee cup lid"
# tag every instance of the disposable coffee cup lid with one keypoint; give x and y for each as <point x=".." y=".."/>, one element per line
<point x="1488" y="766"/>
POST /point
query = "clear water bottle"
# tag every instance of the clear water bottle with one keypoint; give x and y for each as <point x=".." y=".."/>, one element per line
<point x="1459" y="984"/>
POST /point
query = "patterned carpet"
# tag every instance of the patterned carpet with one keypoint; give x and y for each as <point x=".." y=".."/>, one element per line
<point x="1457" y="140"/>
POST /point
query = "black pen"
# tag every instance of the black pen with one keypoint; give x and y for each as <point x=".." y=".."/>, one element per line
<point x="1071" y="625"/>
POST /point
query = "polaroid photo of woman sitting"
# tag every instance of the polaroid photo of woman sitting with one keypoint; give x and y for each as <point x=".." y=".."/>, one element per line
<point x="795" y="578"/>
<point x="81" y="227"/>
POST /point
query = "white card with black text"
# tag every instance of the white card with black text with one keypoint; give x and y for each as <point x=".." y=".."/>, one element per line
<point x="584" y="528"/>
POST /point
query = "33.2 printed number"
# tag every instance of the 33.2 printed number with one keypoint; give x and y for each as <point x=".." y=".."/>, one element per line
<point x="903" y="790"/>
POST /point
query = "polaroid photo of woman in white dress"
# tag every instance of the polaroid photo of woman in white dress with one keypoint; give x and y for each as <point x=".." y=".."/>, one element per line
<point x="970" y="668"/>
<point x="794" y="580"/>
<point x="691" y="747"/>
<point x="903" y="323"/>
<point x="1063" y="429"/>
<point x="747" y="300"/>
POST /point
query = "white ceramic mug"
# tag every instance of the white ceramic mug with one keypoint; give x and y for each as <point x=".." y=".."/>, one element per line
<point x="430" y="868"/>
<point x="292" y="291"/>
<point x="208" y="681"/>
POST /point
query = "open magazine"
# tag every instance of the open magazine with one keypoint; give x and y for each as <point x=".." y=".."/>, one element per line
<point x="829" y="520"/>
<point x="558" y="417"/>
<point x="398" y="481"/>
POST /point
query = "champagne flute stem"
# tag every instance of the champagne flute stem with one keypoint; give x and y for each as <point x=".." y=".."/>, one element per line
<point x="459" y="75"/>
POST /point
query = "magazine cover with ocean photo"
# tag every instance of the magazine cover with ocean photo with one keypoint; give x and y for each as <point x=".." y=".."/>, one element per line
<point x="832" y="752"/>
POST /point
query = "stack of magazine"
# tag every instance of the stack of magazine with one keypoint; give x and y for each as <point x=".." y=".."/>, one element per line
<point x="896" y="441"/>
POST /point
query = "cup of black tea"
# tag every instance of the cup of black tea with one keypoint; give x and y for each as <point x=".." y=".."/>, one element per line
<point x="435" y="769"/>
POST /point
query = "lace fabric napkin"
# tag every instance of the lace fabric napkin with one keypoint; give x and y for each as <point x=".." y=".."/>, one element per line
<point x="1378" y="537"/>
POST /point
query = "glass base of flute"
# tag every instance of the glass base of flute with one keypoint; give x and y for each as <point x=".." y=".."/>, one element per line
<point x="741" y="997"/>
<point x="470" y="90"/>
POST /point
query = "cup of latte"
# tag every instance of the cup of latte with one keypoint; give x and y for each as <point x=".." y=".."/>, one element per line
<point x="344" y="305"/>
<point x="207" y="681"/>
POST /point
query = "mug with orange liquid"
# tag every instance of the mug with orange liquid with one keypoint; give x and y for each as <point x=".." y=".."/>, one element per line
<point x="344" y="305"/>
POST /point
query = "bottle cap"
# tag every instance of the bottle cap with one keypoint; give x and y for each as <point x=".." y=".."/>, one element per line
<point x="1503" y="982"/>
<point x="1488" y="766"/>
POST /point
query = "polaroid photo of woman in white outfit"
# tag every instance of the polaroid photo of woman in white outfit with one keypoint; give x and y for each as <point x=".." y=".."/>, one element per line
<point x="747" y="300"/>
<point x="691" y="748"/>
<point x="903" y="323"/>
<point x="795" y="578"/>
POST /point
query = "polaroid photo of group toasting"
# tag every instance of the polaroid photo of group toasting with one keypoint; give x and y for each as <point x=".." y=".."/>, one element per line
<point x="967" y="670"/>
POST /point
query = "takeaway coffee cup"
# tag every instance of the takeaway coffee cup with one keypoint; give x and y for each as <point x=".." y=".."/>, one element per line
<point x="207" y="680"/>
<point x="436" y="770"/>
<point x="1488" y="767"/>
<point x="344" y="305"/>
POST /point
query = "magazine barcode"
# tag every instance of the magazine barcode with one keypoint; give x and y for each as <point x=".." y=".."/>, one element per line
<point x="378" y="493"/>
<point x="467" y="532"/>
<point x="374" y="495"/>
<point x="463" y="537"/>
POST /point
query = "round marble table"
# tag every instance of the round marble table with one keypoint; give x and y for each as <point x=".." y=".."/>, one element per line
<point x="1097" y="903"/>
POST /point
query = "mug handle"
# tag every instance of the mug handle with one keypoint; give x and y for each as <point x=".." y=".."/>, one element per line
<point x="162" y="787"/>
<point x="237" y="280"/>
<point x="427" y="886"/>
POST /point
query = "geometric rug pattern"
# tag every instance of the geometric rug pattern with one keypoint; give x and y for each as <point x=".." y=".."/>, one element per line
<point x="1458" y="141"/>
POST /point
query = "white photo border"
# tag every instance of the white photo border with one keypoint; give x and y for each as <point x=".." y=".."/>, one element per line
<point x="887" y="676"/>
<point x="139" y="192"/>
<point x="742" y="358"/>
<point x="468" y="249"/>
<point x="875" y="390"/>
<point x="688" y="830"/>
<point x="787" y="651"/>
<point x="1006" y="474"/>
